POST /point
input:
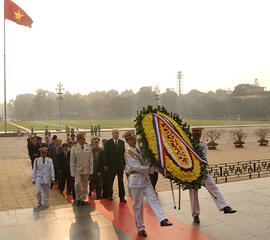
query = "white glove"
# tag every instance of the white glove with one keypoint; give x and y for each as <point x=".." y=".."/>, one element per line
<point x="151" y="170"/>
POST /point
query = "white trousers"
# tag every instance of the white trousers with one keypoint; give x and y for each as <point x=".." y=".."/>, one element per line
<point x="137" y="196"/>
<point x="42" y="193"/>
<point x="81" y="186"/>
<point x="214" y="193"/>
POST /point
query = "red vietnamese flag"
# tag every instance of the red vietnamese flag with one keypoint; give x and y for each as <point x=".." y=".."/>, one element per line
<point x="14" y="13"/>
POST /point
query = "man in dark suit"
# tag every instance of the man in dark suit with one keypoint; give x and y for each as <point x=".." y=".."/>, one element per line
<point x="101" y="172"/>
<point x="47" y="143"/>
<point x="114" y="150"/>
<point x="39" y="144"/>
<point x="53" y="154"/>
<point x="63" y="169"/>
<point x="33" y="150"/>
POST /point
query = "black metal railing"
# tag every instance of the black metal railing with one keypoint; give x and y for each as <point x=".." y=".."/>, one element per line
<point x="225" y="172"/>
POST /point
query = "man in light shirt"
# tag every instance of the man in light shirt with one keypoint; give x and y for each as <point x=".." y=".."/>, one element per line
<point x="81" y="168"/>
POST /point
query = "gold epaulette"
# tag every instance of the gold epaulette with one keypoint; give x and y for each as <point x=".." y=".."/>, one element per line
<point x="135" y="156"/>
<point x="36" y="159"/>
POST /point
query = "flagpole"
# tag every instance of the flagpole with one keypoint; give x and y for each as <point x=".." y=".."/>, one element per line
<point x="5" y="90"/>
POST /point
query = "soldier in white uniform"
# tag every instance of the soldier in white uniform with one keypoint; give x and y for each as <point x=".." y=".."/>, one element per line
<point x="42" y="176"/>
<point x="140" y="185"/>
<point x="81" y="168"/>
<point x="209" y="185"/>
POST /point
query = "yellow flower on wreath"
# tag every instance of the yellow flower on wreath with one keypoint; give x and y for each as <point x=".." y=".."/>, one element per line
<point x="183" y="176"/>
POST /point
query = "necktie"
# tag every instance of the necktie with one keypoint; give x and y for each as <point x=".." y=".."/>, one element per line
<point x="137" y="150"/>
<point x="65" y="153"/>
<point x="43" y="160"/>
<point x="82" y="147"/>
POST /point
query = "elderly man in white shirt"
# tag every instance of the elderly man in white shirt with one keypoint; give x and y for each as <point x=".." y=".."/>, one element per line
<point x="140" y="185"/>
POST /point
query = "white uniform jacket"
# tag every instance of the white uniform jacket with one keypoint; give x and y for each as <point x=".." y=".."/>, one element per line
<point x="81" y="160"/>
<point x="43" y="172"/>
<point x="204" y="149"/>
<point x="137" y="168"/>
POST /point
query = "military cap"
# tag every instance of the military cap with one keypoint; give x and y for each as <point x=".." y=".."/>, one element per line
<point x="129" y="134"/>
<point x="80" y="135"/>
<point x="43" y="149"/>
<point x="197" y="130"/>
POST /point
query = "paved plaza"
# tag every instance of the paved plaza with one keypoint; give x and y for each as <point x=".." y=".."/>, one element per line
<point x="110" y="220"/>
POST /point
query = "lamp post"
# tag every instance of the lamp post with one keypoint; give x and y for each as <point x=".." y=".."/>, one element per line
<point x="59" y="92"/>
<point x="229" y="93"/>
<point x="156" y="94"/>
<point x="179" y="88"/>
<point x="179" y="82"/>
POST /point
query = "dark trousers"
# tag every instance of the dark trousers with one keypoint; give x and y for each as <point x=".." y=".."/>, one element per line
<point x="111" y="175"/>
<point x="95" y="183"/>
<point x="154" y="179"/>
<point x="105" y="185"/>
<point x="72" y="185"/>
<point x="62" y="180"/>
<point x="65" y="177"/>
<point x="69" y="183"/>
<point x="32" y="161"/>
<point x="56" y="176"/>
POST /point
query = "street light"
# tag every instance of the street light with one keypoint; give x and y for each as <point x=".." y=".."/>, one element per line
<point x="179" y="82"/>
<point x="59" y="92"/>
<point x="229" y="93"/>
<point x="156" y="94"/>
<point x="179" y="88"/>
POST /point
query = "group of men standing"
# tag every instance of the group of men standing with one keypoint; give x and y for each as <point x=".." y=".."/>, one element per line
<point x="86" y="167"/>
<point x="81" y="168"/>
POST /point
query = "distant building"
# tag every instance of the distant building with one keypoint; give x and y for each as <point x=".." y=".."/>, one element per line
<point x="248" y="91"/>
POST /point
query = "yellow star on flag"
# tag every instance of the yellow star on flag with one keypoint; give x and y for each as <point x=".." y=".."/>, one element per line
<point x="18" y="15"/>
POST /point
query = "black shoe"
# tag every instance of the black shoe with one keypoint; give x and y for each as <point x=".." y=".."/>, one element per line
<point x="228" y="209"/>
<point x="142" y="233"/>
<point x="165" y="223"/>
<point x="197" y="219"/>
<point x="110" y="198"/>
<point x="123" y="200"/>
<point x="83" y="203"/>
<point x="77" y="203"/>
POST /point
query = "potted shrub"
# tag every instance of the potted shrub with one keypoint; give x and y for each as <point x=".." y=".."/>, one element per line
<point x="262" y="133"/>
<point x="238" y="137"/>
<point x="211" y="135"/>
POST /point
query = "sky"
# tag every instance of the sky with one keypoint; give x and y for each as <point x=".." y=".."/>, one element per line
<point x="122" y="44"/>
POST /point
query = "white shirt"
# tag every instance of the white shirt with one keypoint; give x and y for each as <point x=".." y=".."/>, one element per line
<point x="43" y="172"/>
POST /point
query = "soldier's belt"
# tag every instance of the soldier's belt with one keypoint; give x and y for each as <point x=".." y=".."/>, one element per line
<point x="132" y="172"/>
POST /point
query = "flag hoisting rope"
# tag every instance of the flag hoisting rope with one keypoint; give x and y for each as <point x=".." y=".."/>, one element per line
<point x="14" y="13"/>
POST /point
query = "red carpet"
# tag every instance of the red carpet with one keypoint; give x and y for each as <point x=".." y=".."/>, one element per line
<point x="121" y="215"/>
